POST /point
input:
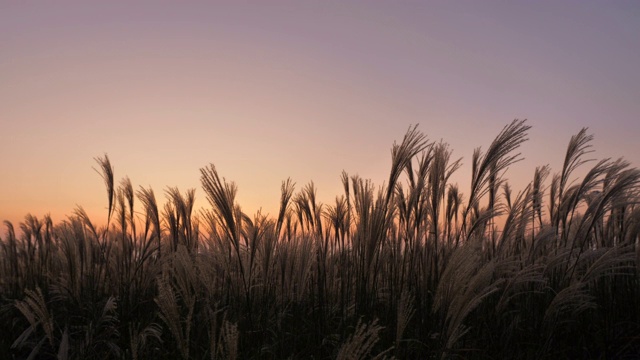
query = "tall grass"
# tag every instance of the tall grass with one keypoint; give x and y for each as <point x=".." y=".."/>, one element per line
<point x="416" y="268"/>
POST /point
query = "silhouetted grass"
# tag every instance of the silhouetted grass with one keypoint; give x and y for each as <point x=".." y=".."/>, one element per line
<point x="412" y="269"/>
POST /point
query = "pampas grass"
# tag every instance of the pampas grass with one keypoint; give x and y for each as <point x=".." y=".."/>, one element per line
<point x="419" y="268"/>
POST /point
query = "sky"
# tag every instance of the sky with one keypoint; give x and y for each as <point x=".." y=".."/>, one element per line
<point x="267" y="90"/>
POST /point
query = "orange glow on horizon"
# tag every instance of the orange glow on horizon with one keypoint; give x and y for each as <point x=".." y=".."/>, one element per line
<point x="268" y="92"/>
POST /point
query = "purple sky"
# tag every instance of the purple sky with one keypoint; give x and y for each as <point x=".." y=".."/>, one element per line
<point x="297" y="89"/>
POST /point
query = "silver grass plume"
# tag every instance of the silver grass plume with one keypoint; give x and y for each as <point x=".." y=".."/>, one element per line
<point x="106" y="171"/>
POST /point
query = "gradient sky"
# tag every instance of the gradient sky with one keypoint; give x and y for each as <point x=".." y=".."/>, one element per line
<point x="300" y="89"/>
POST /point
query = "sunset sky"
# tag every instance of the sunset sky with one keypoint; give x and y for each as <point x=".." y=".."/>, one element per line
<point x="267" y="90"/>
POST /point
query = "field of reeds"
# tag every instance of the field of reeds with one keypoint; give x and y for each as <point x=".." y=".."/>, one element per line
<point x="418" y="268"/>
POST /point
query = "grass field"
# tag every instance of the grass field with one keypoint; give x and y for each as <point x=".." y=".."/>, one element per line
<point x="418" y="268"/>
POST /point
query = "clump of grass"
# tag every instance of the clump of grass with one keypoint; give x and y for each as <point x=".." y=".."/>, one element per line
<point x="547" y="271"/>
<point x="361" y="343"/>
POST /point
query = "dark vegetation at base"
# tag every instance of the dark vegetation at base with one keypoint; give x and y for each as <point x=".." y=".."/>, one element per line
<point x="410" y="270"/>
